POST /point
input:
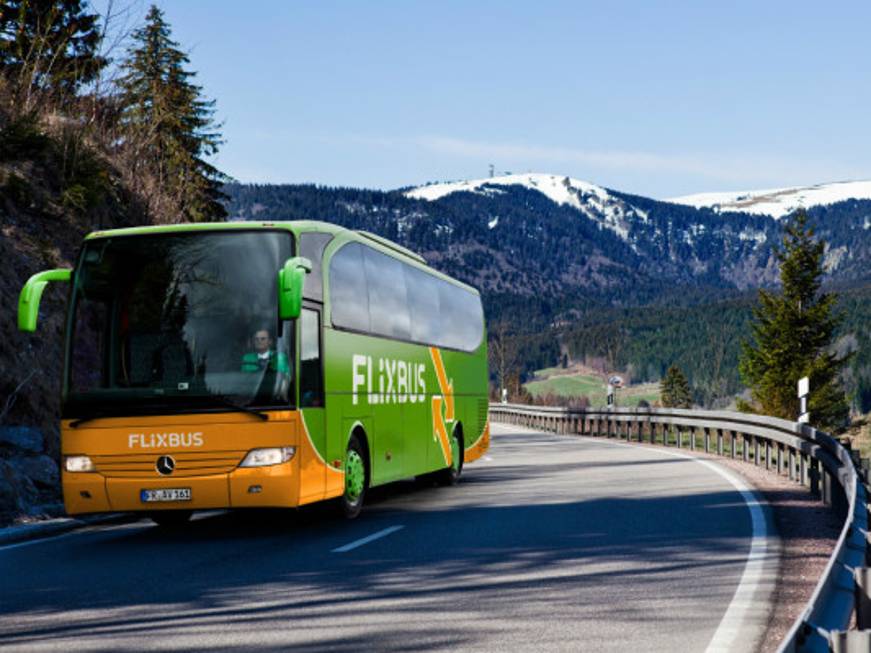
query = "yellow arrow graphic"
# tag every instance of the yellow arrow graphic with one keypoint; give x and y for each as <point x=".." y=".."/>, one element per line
<point x="446" y="388"/>
<point x="438" y="426"/>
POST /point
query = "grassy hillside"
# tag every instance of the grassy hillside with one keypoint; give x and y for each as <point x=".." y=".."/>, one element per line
<point x="575" y="384"/>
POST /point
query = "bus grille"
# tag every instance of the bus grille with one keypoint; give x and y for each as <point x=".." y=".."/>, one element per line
<point x="187" y="463"/>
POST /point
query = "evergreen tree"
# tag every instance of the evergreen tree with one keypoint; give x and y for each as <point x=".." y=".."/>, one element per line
<point x="49" y="45"/>
<point x="171" y="122"/>
<point x="675" y="389"/>
<point x="793" y="336"/>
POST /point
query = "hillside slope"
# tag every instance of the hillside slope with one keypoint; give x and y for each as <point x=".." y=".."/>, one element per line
<point x="47" y="204"/>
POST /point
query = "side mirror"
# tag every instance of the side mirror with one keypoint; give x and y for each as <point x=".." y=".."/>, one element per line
<point x="291" y="279"/>
<point x="31" y="294"/>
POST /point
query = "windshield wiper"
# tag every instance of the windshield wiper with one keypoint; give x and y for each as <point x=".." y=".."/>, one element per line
<point x="81" y="420"/>
<point x="226" y="403"/>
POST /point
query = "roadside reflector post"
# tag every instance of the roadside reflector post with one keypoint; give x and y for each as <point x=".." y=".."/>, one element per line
<point x="804" y="389"/>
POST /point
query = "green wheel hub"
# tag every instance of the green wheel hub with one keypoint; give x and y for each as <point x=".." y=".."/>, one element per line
<point x="455" y="453"/>
<point x="355" y="475"/>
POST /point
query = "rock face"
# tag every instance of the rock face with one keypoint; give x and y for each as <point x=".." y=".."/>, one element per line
<point x="29" y="479"/>
<point x="41" y="470"/>
<point x="21" y="438"/>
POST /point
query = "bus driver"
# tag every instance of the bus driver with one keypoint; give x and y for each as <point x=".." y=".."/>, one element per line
<point x="264" y="356"/>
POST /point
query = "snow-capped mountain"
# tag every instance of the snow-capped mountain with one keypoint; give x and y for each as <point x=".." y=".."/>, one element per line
<point x="595" y="202"/>
<point x="558" y="243"/>
<point x="778" y="202"/>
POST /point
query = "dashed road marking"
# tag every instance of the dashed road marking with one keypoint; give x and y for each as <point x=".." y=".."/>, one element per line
<point x="369" y="538"/>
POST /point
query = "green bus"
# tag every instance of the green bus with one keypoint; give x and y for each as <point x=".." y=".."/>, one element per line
<point x="269" y="364"/>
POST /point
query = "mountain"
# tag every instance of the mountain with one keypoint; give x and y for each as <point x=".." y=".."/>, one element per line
<point x="556" y="247"/>
<point x="779" y="202"/>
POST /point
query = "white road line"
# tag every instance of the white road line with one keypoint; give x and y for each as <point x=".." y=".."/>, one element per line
<point x="50" y="538"/>
<point x="369" y="538"/>
<point x="734" y="620"/>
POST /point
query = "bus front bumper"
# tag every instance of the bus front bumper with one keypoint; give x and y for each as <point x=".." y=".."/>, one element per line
<point x="275" y="486"/>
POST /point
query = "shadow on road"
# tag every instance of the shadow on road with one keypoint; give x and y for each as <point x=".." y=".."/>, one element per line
<point x="270" y="579"/>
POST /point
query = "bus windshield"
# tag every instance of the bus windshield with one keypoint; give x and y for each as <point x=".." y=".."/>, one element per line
<point x="178" y="322"/>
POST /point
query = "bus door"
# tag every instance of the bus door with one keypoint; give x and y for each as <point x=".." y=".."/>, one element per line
<point x="313" y="476"/>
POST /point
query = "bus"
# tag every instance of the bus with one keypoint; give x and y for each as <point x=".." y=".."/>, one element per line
<point x="269" y="364"/>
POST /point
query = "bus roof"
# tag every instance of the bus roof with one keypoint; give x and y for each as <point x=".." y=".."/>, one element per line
<point x="296" y="226"/>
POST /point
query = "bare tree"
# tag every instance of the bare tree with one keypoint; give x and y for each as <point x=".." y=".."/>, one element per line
<point x="503" y="352"/>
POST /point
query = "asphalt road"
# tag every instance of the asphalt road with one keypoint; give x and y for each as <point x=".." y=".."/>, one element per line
<point x="550" y="543"/>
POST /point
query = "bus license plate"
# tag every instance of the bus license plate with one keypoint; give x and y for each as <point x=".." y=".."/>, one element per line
<point x="166" y="494"/>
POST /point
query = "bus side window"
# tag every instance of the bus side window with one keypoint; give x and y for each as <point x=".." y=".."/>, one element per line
<point x="349" y="294"/>
<point x="311" y="391"/>
<point x="311" y="246"/>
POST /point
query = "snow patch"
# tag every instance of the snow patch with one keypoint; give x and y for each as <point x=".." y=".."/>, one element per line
<point x="833" y="258"/>
<point x="750" y="234"/>
<point x="778" y="202"/>
<point x="593" y="201"/>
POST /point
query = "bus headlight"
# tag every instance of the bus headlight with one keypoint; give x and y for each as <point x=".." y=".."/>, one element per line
<point x="79" y="464"/>
<point x="270" y="456"/>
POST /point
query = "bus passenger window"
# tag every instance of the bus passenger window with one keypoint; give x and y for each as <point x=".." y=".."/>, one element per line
<point x="311" y="392"/>
<point x="349" y="295"/>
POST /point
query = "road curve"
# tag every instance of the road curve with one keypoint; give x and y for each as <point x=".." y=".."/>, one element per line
<point x="550" y="543"/>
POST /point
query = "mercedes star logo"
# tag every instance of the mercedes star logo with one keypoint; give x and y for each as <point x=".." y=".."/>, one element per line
<point x="165" y="465"/>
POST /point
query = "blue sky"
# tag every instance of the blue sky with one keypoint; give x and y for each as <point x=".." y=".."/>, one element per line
<point x="656" y="98"/>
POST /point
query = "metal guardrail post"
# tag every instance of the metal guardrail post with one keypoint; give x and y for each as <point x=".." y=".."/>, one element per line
<point x="733" y="444"/>
<point x="850" y="641"/>
<point x="814" y="474"/>
<point x="707" y="440"/>
<point x="862" y="576"/>
<point x="719" y="442"/>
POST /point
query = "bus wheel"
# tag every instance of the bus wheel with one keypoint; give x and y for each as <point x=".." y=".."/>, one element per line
<point x="451" y="475"/>
<point x="171" y="518"/>
<point x="355" y="479"/>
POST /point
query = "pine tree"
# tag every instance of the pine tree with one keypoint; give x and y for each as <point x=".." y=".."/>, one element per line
<point x="675" y="389"/>
<point x="171" y="122"/>
<point x="49" y="46"/>
<point x="793" y="336"/>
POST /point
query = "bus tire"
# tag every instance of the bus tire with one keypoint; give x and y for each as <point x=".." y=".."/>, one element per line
<point x="171" y="518"/>
<point x="356" y="478"/>
<point x="450" y="475"/>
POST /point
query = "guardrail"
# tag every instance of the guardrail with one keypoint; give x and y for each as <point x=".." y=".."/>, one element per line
<point x="806" y="455"/>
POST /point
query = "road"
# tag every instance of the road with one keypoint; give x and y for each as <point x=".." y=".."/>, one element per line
<point x="550" y="543"/>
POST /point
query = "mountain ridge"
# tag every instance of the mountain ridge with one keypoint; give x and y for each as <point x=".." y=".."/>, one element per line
<point x="778" y="202"/>
<point x="566" y="242"/>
